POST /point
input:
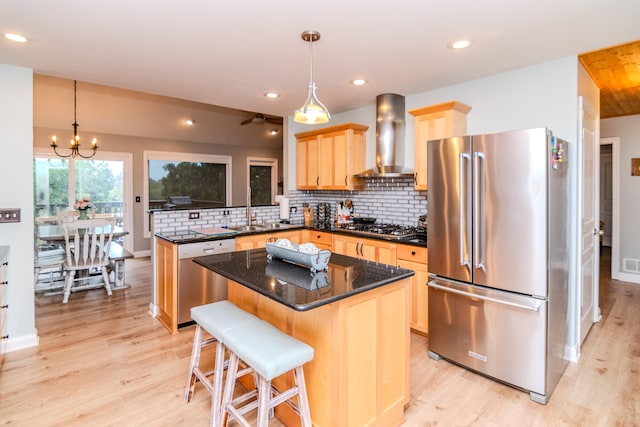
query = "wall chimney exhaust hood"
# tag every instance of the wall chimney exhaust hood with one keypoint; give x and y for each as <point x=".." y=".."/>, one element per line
<point x="390" y="139"/>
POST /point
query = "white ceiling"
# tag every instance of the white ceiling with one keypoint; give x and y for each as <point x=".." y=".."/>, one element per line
<point x="228" y="53"/>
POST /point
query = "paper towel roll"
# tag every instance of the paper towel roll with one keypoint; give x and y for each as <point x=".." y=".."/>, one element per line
<point x="284" y="208"/>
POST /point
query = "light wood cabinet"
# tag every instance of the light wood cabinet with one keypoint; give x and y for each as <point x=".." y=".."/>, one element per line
<point x="360" y="372"/>
<point x="256" y="241"/>
<point x="435" y="122"/>
<point x="367" y="249"/>
<point x="415" y="258"/>
<point x="321" y="239"/>
<point x="167" y="284"/>
<point x="327" y="159"/>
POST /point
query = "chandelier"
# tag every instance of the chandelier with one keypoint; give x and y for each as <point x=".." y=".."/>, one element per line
<point x="312" y="111"/>
<point x="75" y="142"/>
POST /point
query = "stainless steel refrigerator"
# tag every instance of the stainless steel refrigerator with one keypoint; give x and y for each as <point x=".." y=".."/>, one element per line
<point x="498" y="256"/>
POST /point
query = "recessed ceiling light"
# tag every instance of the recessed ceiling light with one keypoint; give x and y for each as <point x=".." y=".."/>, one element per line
<point x="272" y="95"/>
<point x="189" y="122"/>
<point x="358" y="82"/>
<point x="459" y="44"/>
<point x="273" y="132"/>
<point x="16" y="38"/>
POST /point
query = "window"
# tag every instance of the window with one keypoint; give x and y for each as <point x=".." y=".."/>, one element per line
<point x="197" y="180"/>
<point x="59" y="182"/>
<point x="262" y="178"/>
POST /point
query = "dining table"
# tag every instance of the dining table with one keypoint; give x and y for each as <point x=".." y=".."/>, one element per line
<point x="54" y="233"/>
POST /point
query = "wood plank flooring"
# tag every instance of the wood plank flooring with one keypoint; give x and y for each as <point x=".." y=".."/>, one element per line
<point x="104" y="361"/>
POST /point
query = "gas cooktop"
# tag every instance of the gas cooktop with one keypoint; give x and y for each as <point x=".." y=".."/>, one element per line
<point x="389" y="231"/>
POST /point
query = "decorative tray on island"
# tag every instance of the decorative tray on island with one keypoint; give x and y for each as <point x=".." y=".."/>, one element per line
<point x="290" y="252"/>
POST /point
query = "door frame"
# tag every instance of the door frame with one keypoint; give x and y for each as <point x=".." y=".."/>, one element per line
<point x="615" y="215"/>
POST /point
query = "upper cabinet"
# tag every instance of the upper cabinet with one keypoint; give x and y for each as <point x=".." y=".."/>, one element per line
<point x="435" y="122"/>
<point x="327" y="158"/>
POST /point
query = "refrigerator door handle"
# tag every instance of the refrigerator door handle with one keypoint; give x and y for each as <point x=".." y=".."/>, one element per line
<point x="462" y="211"/>
<point x="535" y="307"/>
<point x="478" y="212"/>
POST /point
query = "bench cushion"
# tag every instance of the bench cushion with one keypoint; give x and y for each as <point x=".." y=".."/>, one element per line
<point x="220" y="317"/>
<point x="269" y="351"/>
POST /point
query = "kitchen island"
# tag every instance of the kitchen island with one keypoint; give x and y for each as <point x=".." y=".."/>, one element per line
<point x="355" y="316"/>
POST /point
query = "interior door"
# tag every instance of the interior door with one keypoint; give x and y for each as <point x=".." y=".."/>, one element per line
<point x="588" y="186"/>
<point x="606" y="192"/>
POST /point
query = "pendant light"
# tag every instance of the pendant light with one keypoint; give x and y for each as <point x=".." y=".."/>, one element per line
<point x="312" y="112"/>
<point x="75" y="142"/>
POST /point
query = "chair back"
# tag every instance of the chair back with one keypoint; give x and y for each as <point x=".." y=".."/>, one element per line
<point x="87" y="242"/>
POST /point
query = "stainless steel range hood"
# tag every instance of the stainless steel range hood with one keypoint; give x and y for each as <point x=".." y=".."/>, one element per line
<point x="390" y="139"/>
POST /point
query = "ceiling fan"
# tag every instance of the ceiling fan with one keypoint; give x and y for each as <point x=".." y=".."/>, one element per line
<point x="262" y="118"/>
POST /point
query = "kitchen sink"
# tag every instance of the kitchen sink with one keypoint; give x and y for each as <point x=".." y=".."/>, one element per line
<point x="248" y="228"/>
<point x="278" y="226"/>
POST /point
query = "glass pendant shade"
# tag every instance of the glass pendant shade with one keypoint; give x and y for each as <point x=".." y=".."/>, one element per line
<point x="312" y="111"/>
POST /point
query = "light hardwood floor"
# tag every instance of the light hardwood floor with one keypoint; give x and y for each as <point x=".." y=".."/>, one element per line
<point x="104" y="361"/>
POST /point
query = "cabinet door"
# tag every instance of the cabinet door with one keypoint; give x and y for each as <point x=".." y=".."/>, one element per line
<point x="379" y="251"/>
<point x="415" y="258"/>
<point x="334" y="161"/>
<point x="349" y="246"/>
<point x="307" y="172"/>
<point x="429" y="126"/>
<point x="419" y="295"/>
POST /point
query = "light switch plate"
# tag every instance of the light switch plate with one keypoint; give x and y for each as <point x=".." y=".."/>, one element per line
<point x="10" y="215"/>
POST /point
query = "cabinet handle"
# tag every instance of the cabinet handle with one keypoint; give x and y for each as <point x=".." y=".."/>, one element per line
<point x="345" y="181"/>
<point x="317" y="181"/>
<point x="413" y="252"/>
<point x="415" y="178"/>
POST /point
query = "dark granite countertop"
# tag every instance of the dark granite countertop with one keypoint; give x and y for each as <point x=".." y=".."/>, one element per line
<point x="187" y="236"/>
<point x="294" y="285"/>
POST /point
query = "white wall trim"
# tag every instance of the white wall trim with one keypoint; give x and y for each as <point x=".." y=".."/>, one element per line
<point x="22" y="342"/>
<point x="615" y="225"/>
<point x="626" y="277"/>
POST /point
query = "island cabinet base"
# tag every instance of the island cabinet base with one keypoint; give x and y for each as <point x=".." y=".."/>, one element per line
<point x="359" y="375"/>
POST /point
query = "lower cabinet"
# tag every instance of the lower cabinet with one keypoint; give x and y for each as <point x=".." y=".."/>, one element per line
<point x="255" y="241"/>
<point x="167" y="284"/>
<point x="415" y="258"/>
<point x="320" y="239"/>
<point x="367" y="249"/>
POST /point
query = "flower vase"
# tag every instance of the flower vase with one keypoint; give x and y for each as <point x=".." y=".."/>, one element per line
<point x="83" y="214"/>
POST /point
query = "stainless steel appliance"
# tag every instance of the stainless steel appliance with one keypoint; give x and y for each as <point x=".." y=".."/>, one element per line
<point x="196" y="284"/>
<point x="388" y="231"/>
<point x="498" y="256"/>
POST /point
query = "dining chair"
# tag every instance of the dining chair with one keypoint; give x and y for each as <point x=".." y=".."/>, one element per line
<point x="87" y="243"/>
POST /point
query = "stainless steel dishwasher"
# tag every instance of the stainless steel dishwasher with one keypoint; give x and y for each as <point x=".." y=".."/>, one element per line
<point x="196" y="284"/>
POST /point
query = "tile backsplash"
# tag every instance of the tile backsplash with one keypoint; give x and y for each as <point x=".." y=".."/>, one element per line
<point x="389" y="200"/>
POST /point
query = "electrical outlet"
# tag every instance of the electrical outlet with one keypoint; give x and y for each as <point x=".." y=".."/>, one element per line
<point x="10" y="215"/>
<point x="194" y="215"/>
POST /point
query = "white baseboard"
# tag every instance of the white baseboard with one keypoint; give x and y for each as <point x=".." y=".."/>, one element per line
<point x="153" y="310"/>
<point x="626" y="277"/>
<point x="22" y="342"/>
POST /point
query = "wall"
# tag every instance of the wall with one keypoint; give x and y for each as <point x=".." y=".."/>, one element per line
<point x="628" y="130"/>
<point x="16" y="191"/>
<point x="137" y="145"/>
<point x="542" y="95"/>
